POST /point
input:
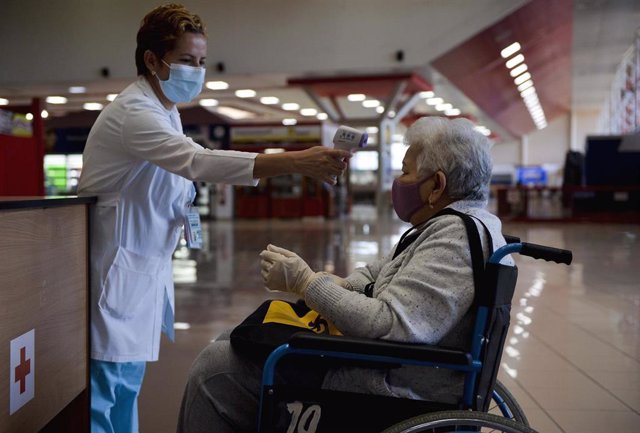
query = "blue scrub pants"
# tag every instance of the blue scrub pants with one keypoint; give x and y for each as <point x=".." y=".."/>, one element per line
<point x="114" y="396"/>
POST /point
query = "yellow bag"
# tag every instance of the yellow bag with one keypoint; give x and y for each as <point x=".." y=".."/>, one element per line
<point x="273" y="323"/>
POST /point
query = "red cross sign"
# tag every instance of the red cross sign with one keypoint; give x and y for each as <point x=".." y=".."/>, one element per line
<point x="23" y="369"/>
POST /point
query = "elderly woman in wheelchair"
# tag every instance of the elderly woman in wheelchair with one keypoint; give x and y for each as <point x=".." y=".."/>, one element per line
<point x="421" y="293"/>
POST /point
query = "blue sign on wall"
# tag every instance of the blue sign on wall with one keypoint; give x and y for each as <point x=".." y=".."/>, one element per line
<point x="531" y="175"/>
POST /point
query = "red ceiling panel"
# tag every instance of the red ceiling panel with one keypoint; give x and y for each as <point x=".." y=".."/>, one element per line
<point x="544" y="30"/>
<point x="380" y="86"/>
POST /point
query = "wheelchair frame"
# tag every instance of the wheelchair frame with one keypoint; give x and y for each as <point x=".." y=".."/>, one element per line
<point x="385" y="352"/>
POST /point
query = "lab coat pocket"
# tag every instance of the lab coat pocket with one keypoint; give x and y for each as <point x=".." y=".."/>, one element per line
<point x="132" y="281"/>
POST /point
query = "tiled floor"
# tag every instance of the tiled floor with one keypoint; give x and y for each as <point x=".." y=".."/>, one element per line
<point x="573" y="356"/>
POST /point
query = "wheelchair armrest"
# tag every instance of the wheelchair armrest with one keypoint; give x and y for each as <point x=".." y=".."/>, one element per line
<point x="418" y="352"/>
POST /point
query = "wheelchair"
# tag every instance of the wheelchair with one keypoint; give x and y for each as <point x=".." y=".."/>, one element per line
<point x="485" y="404"/>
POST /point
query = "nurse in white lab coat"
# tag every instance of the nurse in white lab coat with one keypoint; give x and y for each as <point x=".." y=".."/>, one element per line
<point x="141" y="167"/>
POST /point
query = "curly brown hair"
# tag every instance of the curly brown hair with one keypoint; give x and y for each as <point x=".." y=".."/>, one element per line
<point x="160" y="29"/>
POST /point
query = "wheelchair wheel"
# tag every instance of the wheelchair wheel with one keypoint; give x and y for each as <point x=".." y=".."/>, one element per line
<point x="458" y="421"/>
<point x="505" y="404"/>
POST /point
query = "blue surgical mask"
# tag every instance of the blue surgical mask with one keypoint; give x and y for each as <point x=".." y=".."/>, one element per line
<point x="184" y="83"/>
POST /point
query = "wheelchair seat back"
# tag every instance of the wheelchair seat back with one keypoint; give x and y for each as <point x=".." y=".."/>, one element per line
<point x="494" y="307"/>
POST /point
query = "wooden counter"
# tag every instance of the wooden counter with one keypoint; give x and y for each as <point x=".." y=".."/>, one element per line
<point x="44" y="291"/>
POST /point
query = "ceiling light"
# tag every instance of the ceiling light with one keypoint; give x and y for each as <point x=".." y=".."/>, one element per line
<point x="308" y="111"/>
<point x="522" y="78"/>
<point x="535" y="109"/>
<point x="322" y="116"/>
<point x="380" y="109"/>
<point x="234" y="113"/>
<point x="111" y="97"/>
<point x="527" y="92"/>
<point x="269" y="100"/>
<point x="525" y="85"/>
<point x="515" y="61"/>
<point x="391" y="113"/>
<point x="427" y="94"/>
<point x="92" y="106"/>
<point x="181" y="326"/>
<point x="511" y="49"/>
<point x="532" y="103"/>
<point x="289" y="122"/>
<point x="245" y="93"/>
<point x="518" y="70"/>
<point x="370" y="103"/>
<point x="29" y="116"/>
<point x="77" y="89"/>
<point x="372" y="129"/>
<point x="4" y="101"/>
<point x="483" y="130"/>
<point x="355" y="97"/>
<point x="537" y="117"/>
<point x="44" y="114"/>
<point x="442" y="107"/>
<point x="217" y="85"/>
<point x="435" y="101"/>
<point x="271" y="150"/>
<point x="208" y="102"/>
<point x="291" y="106"/>
<point x="56" y="100"/>
<point x="452" y="112"/>
<point x="532" y="97"/>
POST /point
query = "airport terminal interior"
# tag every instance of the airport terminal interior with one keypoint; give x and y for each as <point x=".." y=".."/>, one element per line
<point x="553" y="84"/>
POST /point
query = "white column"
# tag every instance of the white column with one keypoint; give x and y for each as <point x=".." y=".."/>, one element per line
<point x="386" y="130"/>
<point x="573" y="131"/>
<point x="524" y="150"/>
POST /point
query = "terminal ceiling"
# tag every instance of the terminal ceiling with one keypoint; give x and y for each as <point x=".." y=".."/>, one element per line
<point x="454" y="45"/>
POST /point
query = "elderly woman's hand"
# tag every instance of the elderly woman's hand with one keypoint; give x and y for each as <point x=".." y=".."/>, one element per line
<point x="284" y="270"/>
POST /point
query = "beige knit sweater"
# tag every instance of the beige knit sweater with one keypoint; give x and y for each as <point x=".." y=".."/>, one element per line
<point x="421" y="296"/>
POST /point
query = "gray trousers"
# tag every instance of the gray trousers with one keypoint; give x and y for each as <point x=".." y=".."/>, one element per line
<point x="223" y="390"/>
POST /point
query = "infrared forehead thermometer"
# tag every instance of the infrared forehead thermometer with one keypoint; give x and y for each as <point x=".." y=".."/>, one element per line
<point x="347" y="138"/>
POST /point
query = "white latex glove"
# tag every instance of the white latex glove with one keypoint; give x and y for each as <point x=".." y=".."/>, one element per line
<point x="284" y="270"/>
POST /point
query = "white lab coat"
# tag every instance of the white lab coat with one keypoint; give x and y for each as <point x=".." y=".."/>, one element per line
<point x="141" y="166"/>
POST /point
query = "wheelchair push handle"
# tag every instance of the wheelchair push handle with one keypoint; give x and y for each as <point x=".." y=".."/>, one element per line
<point x="535" y="251"/>
<point x="549" y="254"/>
